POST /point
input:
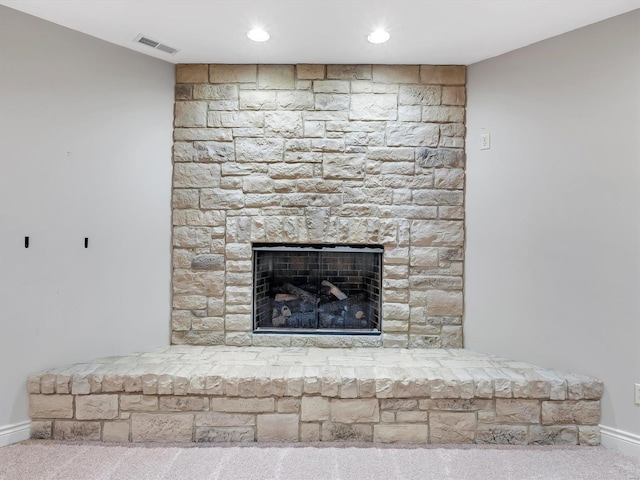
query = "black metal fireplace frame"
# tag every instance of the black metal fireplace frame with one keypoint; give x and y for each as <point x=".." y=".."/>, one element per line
<point x="338" y="248"/>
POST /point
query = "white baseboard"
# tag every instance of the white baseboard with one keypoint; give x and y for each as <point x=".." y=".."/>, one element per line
<point x="624" y="442"/>
<point x="18" y="432"/>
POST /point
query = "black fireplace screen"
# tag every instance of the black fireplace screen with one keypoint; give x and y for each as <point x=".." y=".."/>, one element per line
<point x="319" y="288"/>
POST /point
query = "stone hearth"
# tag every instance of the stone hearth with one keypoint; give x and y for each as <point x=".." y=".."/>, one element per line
<point x="244" y="394"/>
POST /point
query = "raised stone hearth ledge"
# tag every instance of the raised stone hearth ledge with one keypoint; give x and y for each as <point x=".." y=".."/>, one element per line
<point x="245" y="394"/>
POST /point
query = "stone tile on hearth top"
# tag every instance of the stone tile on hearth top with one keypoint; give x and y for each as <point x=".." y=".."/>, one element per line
<point x="257" y="371"/>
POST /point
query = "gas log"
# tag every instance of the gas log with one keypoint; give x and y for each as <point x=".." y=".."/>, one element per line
<point x="296" y="308"/>
<point x="299" y="308"/>
<point x="335" y="291"/>
<point x="300" y="293"/>
<point x="283" y="297"/>
<point x="339" y="305"/>
<point x="349" y="312"/>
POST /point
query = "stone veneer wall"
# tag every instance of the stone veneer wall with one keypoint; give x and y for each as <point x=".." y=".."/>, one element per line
<point x="357" y="154"/>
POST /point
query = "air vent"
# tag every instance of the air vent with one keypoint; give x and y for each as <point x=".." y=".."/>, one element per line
<point x="153" y="44"/>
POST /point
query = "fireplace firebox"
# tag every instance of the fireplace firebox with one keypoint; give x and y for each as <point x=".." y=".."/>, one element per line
<point x="317" y="288"/>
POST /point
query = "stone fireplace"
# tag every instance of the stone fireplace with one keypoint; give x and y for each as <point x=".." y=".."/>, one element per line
<point x="319" y="155"/>
<point x="317" y="206"/>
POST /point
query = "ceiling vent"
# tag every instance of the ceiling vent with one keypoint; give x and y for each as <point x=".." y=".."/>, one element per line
<point x="157" y="45"/>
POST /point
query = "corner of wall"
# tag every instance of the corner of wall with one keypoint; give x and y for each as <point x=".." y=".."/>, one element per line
<point x="17" y="432"/>
<point x="624" y="442"/>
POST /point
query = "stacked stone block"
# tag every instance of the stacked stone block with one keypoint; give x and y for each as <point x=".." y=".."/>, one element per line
<point x="351" y="154"/>
<point x="298" y="416"/>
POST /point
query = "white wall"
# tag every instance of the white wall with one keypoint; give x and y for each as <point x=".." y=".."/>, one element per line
<point x="553" y="208"/>
<point x="85" y="151"/>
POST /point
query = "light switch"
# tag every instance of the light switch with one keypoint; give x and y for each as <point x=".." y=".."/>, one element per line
<point x="485" y="141"/>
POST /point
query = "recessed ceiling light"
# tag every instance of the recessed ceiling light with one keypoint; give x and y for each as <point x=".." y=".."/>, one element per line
<point x="258" y="35"/>
<point x="378" y="36"/>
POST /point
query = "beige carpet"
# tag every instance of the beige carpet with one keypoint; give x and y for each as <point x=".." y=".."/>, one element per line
<point x="35" y="460"/>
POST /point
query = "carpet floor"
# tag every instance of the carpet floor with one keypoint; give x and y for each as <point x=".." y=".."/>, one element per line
<point x="33" y="460"/>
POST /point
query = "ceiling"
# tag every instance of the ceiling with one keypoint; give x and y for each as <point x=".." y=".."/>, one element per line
<point x="326" y="31"/>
